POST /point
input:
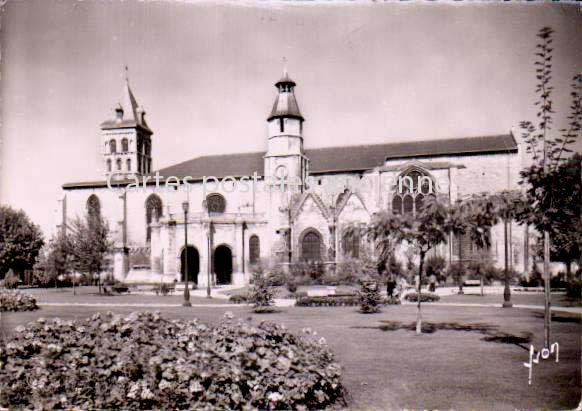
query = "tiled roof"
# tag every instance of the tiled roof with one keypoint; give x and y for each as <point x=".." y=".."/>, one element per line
<point x="336" y="159"/>
<point x="236" y="165"/>
<point x="346" y="158"/>
<point x="369" y="156"/>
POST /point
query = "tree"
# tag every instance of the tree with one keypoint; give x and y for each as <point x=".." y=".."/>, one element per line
<point x="566" y="229"/>
<point x="54" y="259"/>
<point x="21" y="240"/>
<point x="424" y="231"/>
<point x="89" y="245"/>
<point x="549" y="151"/>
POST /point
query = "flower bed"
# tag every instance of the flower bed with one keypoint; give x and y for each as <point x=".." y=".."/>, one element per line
<point x="143" y="361"/>
<point x="16" y="301"/>
<point x="424" y="297"/>
<point x="338" y="301"/>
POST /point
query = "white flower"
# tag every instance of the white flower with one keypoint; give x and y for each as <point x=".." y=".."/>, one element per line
<point x="228" y="315"/>
<point x="164" y="384"/>
<point x="275" y="397"/>
<point x="133" y="390"/>
<point x="195" y="386"/>
<point x="322" y="340"/>
<point x="146" y="394"/>
<point x="20" y="329"/>
<point x="306" y="330"/>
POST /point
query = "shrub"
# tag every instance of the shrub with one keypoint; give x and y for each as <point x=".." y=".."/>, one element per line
<point x="338" y="301"/>
<point x="239" y="298"/>
<point x="291" y="285"/>
<point x="261" y="294"/>
<point x="574" y="289"/>
<point x="11" y="280"/>
<point x="435" y="265"/>
<point x="144" y="361"/>
<point x="370" y="298"/>
<point x="16" y="301"/>
<point x="347" y="272"/>
<point x="120" y="288"/>
<point x="424" y="297"/>
<point x="276" y="277"/>
<point x="329" y="300"/>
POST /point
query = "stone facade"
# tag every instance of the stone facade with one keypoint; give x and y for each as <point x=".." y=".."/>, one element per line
<point x="318" y="205"/>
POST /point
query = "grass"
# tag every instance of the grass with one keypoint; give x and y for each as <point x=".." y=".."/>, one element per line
<point x="467" y="357"/>
<point x="557" y="299"/>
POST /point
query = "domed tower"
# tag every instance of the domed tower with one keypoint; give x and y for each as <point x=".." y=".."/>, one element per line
<point x="126" y="140"/>
<point x="285" y="156"/>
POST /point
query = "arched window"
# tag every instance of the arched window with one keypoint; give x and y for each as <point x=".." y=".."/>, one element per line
<point x="153" y="206"/>
<point x="128" y="161"/>
<point x="109" y="165"/>
<point x="311" y="246"/>
<point x="118" y="164"/>
<point x="124" y="145"/>
<point x="215" y="204"/>
<point x="254" y="249"/>
<point x="93" y="208"/>
<point x="411" y="191"/>
<point x="112" y="146"/>
<point x="351" y="245"/>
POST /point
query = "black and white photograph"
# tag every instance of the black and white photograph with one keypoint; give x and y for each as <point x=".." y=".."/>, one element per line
<point x="290" y="205"/>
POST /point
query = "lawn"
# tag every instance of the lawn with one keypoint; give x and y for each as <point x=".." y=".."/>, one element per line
<point x="469" y="357"/>
<point x="532" y="298"/>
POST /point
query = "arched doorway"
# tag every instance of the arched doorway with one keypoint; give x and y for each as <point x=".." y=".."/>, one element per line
<point x="193" y="264"/>
<point x="223" y="264"/>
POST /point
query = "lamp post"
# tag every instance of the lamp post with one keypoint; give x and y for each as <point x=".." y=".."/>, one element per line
<point x="209" y="238"/>
<point x="186" y="302"/>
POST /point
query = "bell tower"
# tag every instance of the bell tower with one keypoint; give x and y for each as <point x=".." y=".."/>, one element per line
<point x="285" y="157"/>
<point x="126" y="139"/>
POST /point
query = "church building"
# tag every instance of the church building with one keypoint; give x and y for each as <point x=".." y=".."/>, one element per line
<point x="279" y="206"/>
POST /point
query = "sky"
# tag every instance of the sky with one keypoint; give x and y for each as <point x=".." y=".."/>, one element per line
<point x="366" y="72"/>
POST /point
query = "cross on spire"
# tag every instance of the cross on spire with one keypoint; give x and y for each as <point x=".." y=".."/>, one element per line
<point x="284" y="66"/>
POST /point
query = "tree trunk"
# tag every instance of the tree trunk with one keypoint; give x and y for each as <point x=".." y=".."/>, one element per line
<point x="506" y="290"/>
<point x="418" y="315"/>
<point x="461" y="275"/>
<point x="547" y="303"/>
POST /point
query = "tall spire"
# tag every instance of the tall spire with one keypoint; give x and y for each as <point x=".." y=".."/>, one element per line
<point x="128" y="112"/>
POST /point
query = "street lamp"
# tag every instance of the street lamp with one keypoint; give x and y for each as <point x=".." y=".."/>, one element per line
<point x="209" y="236"/>
<point x="186" y="302"/>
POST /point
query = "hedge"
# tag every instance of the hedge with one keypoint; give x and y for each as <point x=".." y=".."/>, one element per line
<point x="239" y="299"/>
<point x="16" y="301"/>
<point x="424" y="297"/>
<point x="335" y="301"/>
<point x="144" y="361"/>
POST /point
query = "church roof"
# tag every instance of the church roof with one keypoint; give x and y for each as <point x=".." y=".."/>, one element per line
<point x="345" y="158"/>
<point x="335" y="159"/>
<point x="372" y="155"/>
<point x="133" y="114"/>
